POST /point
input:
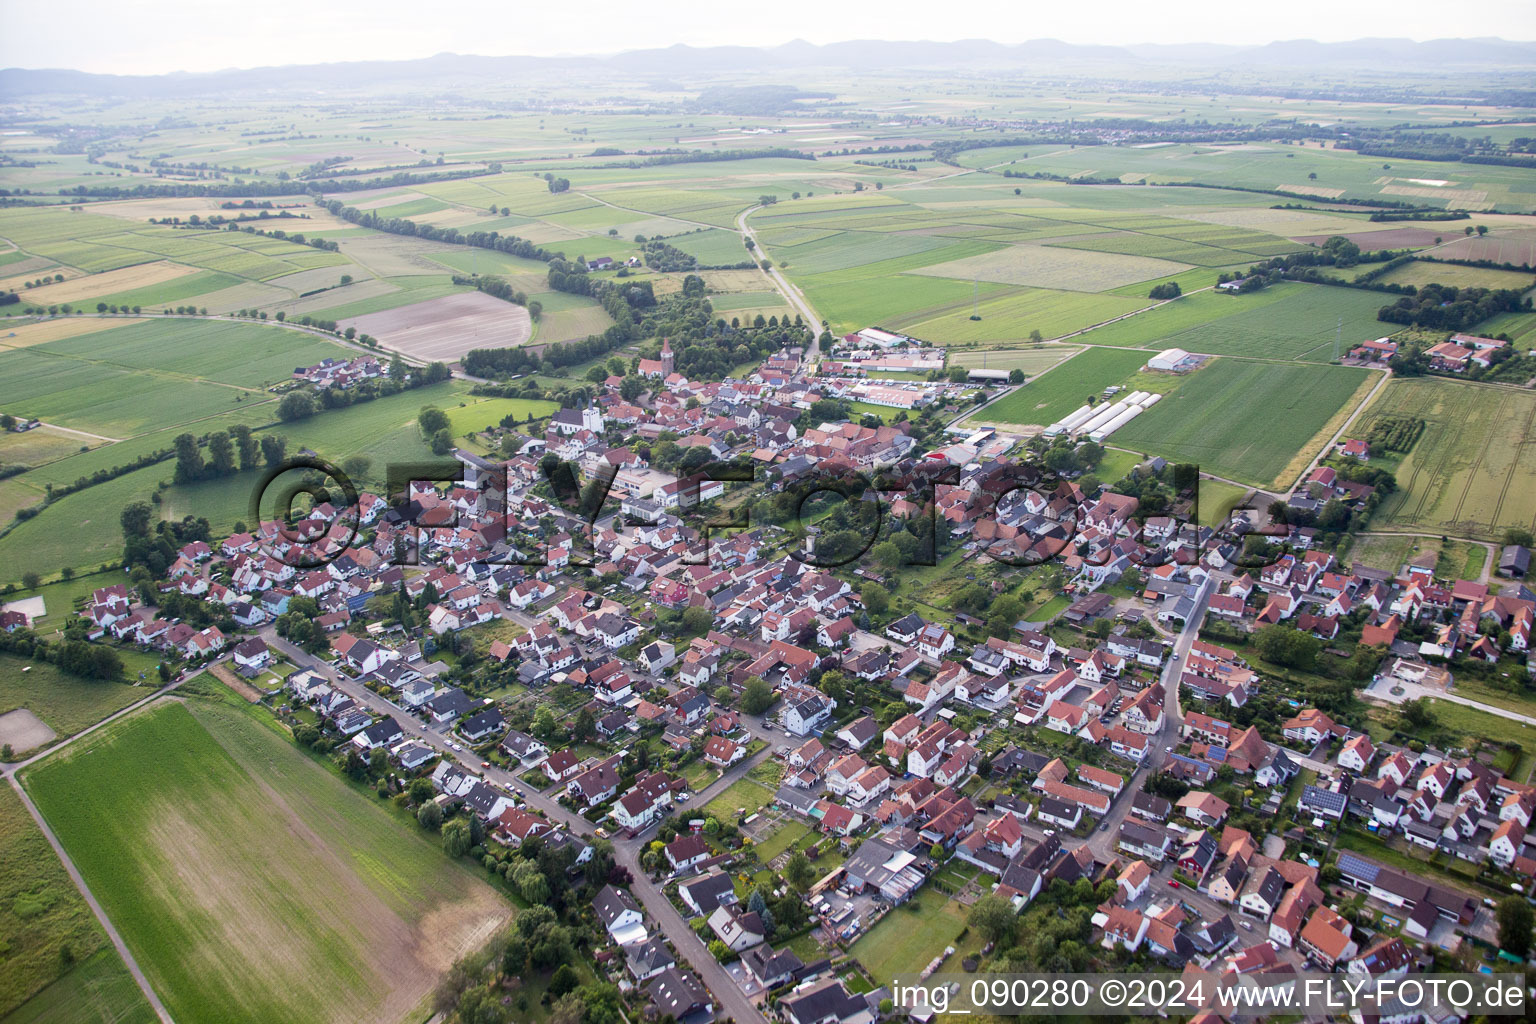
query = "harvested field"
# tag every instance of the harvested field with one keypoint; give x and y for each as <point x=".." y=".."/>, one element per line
<point x="141" y="275"/>
<point x="18" y="283"/>
<point x="40" y="445"/>
<point x="1517" y="247"/>
<point x="247" y="295"/>
<point x="1388" y="238"/>
<point x="331" y="298"/>
<point x="394" y="255"/>
<point x="27" y="268"/>
<point x="572" y="324"/>
<point x="447" y="327"/>
<point x="21" y="730"/>
<point x="1472" y="471"/>
<point x="1031" y="361"/>
<point x="309" y="280"/>
<point x="1042" y="267"/>
<point x="44" y="331"/>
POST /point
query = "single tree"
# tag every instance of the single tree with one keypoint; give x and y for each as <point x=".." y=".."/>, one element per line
<point x="1515" y="918"/>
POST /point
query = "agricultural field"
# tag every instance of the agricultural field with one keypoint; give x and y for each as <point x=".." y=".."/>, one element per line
<point x="1472" y="471"/>
<point x="1519" y="326"/>
<point x="1502" y="245"/>
<point x="346" y="914"/>
<point x="446" y="328"/>
<point x="1033" y="361"/>
<point x="489" y="412"/>
<point x="1254" y="422"/>
<point x="65" y="703"/>
<point x="1012" y="317"/>
<point x="1421" y="272"/>
<point x="43" y="921"/>
<point x="1057" y="393"/>
<point x="150" y="373"/>
<point x="1316" y="172"/>
<point x="1285" y="321"/>
<point x="143" y="406"/>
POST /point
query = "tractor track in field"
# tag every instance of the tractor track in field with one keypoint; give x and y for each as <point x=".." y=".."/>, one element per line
<point x="1514" y="464"/>
<point x="1477" y="464"/>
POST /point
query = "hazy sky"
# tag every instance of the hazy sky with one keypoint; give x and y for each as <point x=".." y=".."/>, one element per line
<point x="152" y="36"/>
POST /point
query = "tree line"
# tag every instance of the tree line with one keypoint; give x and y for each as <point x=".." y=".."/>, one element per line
<point x="494" y="240"/>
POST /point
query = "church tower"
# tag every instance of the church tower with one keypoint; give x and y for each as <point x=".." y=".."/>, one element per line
<point x="667" y="358"/>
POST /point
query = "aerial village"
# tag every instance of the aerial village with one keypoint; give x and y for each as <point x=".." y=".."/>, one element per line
<point x="1021" y="688"/>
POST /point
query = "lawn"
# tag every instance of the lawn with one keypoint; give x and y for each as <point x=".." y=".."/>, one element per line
<point x="785" y="836"/>
<point x="741" y="797"/>
<point x="251" y="883"/>
<point x="1387" y="552"/>
<point x="1247" y="421"/>
<point x="1472" y="469"/>
<point x="1217" y="500"/>
<point x="906" y="939"/>
<point x="1053" y="395"/>
<point x="43" y="919"/>
<point x="65" y="702"/>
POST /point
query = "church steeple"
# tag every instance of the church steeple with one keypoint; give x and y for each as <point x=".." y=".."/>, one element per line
<point x="667" y="358"/>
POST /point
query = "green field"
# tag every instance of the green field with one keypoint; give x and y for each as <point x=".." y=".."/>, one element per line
<point x="43" y="920"/>
<point x="1247" y="421"/>
<point x="1289" y="168"/>
<point x="1286" y="321"/>
<point x="132" y="379"/>
<point x="1419" y="273"/>
<point x="1473" y="470"/>
<point x="74" y="530"/>
<point x="1056" y="394"/>
<point x="250" y="882"/>
<point x="1009" y="319"/>
<point x="66" y="703"/>
<point x="488" y="412"/>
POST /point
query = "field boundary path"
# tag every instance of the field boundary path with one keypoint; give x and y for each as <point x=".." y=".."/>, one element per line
<point x="792" y="295"/>
<point x="1386" y="376"/>
<point x="113" y="934"/>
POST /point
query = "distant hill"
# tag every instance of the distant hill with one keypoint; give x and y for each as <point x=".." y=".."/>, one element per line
<point x="450" y="71"/>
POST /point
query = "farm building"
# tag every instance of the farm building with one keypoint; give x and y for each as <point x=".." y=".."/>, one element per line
<point x="979" y="375"/>
<point x="1173" y="360"/>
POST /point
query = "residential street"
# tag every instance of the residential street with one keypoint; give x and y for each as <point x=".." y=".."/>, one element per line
<point x="731" y="1001"/>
